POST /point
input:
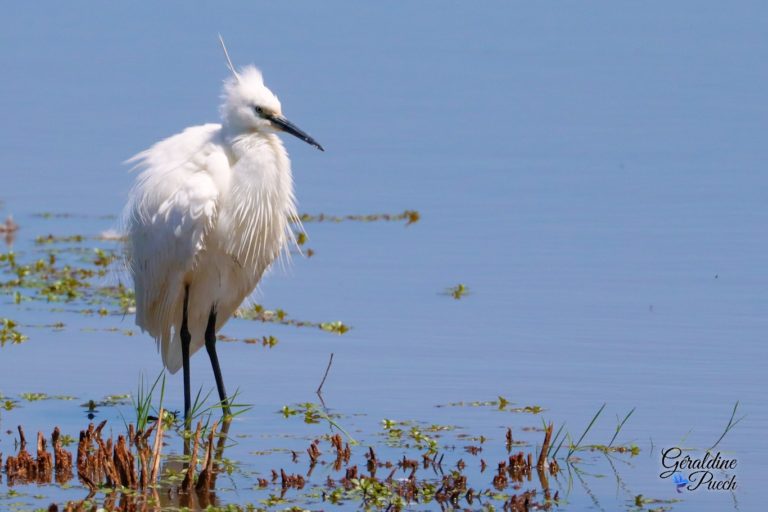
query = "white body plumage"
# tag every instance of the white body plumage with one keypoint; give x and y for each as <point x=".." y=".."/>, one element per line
<point x="210" y="212"/>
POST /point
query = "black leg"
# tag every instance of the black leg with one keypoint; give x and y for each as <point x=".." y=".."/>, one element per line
<point x="186" y="338"/>
<point x="210" y="346"/>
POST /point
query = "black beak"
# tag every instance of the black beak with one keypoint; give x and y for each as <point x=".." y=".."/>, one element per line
<point x="285" y="125"/>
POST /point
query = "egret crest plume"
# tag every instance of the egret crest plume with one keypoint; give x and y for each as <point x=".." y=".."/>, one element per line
<point x="229" y="61"/>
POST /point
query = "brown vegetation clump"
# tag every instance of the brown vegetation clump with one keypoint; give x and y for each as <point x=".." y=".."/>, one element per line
<point x="62" y="459"/>
<point x="130" y="464"/>
<point x="23" y="468"/>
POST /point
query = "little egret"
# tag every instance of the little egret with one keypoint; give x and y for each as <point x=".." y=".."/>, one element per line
<point x="208" y="214"/>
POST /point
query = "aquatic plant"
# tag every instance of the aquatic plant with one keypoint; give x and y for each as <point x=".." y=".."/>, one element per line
<point x="729" y="426"/>
<point x="410" y="216"/>
<point x="575" y="446"/>
<point x="9" y="332"/>
<point x="258" y="312"/>
<point x="458" y="291"/>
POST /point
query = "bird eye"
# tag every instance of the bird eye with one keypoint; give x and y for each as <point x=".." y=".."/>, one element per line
<point x="259" y="111"/>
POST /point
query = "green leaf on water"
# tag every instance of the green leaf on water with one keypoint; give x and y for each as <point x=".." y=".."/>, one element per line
<point x="34" y="397"/>
<point x="336" y="327"/>
<point x="9" y="332"/>
<point x="458" y="291"/>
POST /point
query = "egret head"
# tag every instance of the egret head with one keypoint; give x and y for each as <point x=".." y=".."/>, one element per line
<point x="249" y="106"/>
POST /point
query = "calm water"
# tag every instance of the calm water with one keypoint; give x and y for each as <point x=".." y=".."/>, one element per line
<point x="593" y="173"/>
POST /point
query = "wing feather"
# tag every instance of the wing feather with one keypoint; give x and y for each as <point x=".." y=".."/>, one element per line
<point x="172" y="209"/>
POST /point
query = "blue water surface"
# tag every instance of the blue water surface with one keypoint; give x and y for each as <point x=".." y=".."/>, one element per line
<point x="594" y="173"/>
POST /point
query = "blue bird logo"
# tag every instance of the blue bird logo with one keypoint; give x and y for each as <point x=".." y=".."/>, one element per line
<point x="680" y="481"/>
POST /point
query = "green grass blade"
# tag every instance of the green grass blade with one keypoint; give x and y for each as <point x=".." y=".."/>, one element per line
<point x="729" y="426"/>
<point x="554" y="440"/>
<point x="620" y="425"/>
<point x="576" y="446"/>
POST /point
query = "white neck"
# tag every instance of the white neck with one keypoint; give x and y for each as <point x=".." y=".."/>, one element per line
<point x="262" y="196"/>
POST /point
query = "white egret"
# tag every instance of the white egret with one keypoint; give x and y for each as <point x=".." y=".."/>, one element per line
<point x="208" y="214"/>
